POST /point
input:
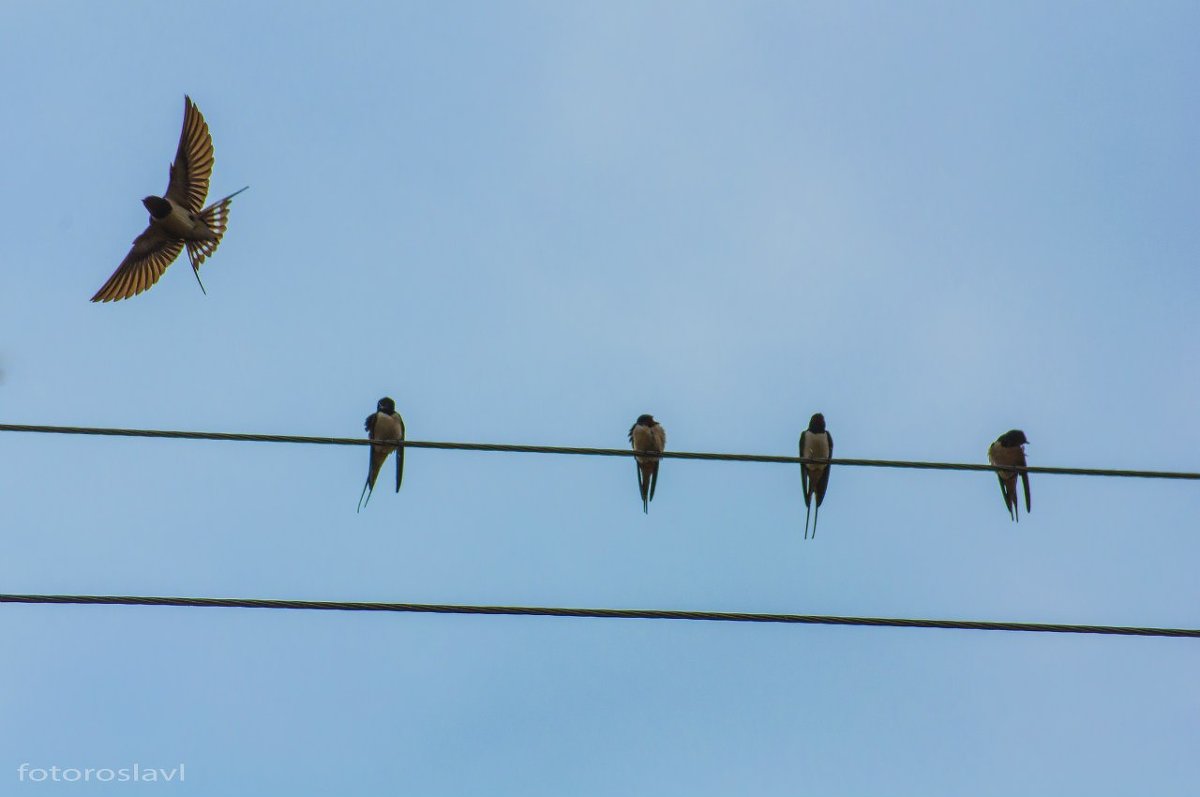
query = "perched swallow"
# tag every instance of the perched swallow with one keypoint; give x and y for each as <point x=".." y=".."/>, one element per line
<point x="647" y="435"/>
<point x="178" y="219"/>
<point x="1008" y="450"/>
<point x="815" y="443"/>
<point x="384" y="424"/>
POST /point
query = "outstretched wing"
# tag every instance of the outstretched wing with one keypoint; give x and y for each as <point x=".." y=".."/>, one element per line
<point x="152" y="252"/>
<point x="193" y="164"/>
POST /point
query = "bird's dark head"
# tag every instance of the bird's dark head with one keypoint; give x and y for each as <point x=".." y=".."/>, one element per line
<point x="386" y="405"/>
<point x="1013" y="438"/>
<point x="646" y="420"/>
<point x="816" y="423"/>
<point x="159" y="208"/>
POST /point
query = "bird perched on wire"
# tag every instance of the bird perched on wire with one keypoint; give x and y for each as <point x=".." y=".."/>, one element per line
<point x="1009" y="450"/>
<point x="384" y="424"/>
<point x="815" y="443"/>
<point x="178" y="220"/>
<point x="647" y="434"/>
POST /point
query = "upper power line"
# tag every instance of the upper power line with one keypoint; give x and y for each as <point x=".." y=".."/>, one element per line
<point x="585" y="451"/>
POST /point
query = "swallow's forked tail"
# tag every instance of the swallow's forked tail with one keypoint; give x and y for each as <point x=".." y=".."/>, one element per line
<point x="399" y="466"/>
<point x="360" y="497"/>
<point x="807" y="512"/>
<point x="196" y="270"/>
<point x="216" y="218"/>
<point x="642" y="488"/>
<point x="1010" y="497"/>
<point x="1004" y="494"/>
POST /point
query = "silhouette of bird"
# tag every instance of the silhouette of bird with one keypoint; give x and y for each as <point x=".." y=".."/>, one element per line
<point x="815" y="443"/>
<point x="1009" y="450"/>
<point x="383" y="424"/>
<point x="647" y="434"/>
<point x="178" y="220"/>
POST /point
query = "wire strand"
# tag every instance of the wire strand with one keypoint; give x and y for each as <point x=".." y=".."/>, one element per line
<point x="596" y="452"/>
<point x="610" y="614"/>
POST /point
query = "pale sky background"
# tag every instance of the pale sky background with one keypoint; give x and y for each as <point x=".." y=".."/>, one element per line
<point x="531" y="222"/>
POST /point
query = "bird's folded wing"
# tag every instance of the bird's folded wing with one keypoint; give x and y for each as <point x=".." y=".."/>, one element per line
<point x="193" y="164"/>
<point x="400" y="457"/>
<point x="152" y="252"/>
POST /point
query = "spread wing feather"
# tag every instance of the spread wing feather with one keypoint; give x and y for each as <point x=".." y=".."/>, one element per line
<point x="188" y="186"/>
<point x="152" y="252"/>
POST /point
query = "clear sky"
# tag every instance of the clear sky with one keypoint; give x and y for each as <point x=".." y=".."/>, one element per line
<point x="532" y="222"/>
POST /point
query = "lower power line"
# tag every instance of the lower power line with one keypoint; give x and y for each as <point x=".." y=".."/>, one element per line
<point x="611" y="614"/>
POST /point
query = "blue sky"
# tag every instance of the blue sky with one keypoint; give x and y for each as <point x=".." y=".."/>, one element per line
<point x="532" y="222"/>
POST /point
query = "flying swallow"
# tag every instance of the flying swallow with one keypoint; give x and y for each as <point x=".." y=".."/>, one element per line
<point x="815" y="443"/>
<point x="1008" y="450"/>
<point x="177" y="220"/>
<point x="647" y="435"/>
<point x="384" y="424"/>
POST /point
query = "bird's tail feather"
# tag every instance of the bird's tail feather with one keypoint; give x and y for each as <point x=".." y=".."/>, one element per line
<point x="642" y="486"/>
<point x="225" y="200"/>
<point x="216" y="218"/>
<point x="196" y="267"/>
